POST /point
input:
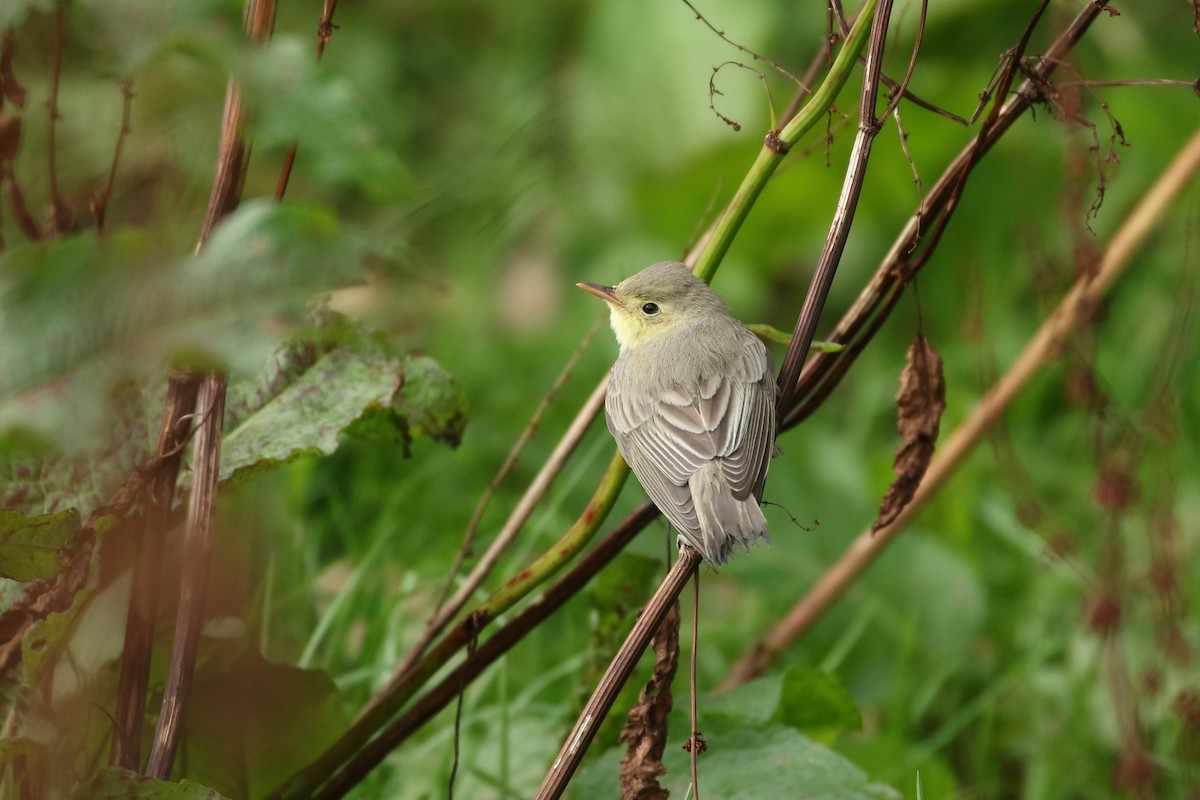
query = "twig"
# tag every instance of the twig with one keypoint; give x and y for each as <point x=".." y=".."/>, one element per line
<point x="694" y="739"/>
<point x="100" y="201"/>
<point x="147" y="564"/>
<point x="1042" y="348"/>
<point x="776" y="145"/>
<point x="615" y="677"/>
<point x="831" y="254"/>
<point x="190" y="618"/>
<point x="231" y="165"/>
<point x="226" y="192"/>
<point x="756" y="56"/>
<point x="325" y="29"/>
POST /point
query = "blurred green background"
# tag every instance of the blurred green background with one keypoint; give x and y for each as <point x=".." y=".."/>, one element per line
<point x="472" y="162"/>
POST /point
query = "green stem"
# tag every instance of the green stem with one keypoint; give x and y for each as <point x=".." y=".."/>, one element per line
<point x="779" y="143"/>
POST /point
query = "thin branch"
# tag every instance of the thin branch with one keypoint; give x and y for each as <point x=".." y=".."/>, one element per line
<point x="190" y="618"/>
<point x="898" y="92"/>
<point x="1042" y="349"/>
<point x="325" y="29"/>
<point x="756" y="56"/>
<point x="695" y="739"/>
<point x="822" y="280"/>
<point x="232" y="157"/>
<point x="776" y="145"/>
<point x="617" y="674"/>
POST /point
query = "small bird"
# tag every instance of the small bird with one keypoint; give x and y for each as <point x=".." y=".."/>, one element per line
<point x="691" y="403"/>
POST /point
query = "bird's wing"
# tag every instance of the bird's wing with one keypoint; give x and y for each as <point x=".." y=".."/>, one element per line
<point x="666" y="439"/>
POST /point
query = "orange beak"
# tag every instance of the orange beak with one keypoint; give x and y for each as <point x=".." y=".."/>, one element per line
<point x="605" y="293"/>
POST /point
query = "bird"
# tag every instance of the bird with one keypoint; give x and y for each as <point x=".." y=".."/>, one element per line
<point x="691" y="404"/>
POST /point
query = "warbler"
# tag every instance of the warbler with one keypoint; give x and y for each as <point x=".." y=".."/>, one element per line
<point x="691" y="404"/>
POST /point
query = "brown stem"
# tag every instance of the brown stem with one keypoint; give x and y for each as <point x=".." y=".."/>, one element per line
<point x="147" y="559"/>
<point x="617" y="674"/>
<point x="62" y="220"/>
<point x="190" y="617"/>
<point x="822" y="280"/>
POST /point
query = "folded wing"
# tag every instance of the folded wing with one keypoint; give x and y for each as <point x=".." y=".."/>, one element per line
<point x="727" y="420"/>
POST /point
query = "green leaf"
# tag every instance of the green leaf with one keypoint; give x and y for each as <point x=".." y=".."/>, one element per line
<point x="32" y="547"/>
<point x="748" y="762"/>
<point x="114" y="783"/>
<point x="431" y="401"/>
<point x="816" y="703"/>
<point x="776" y="761"/>
<point x="337" y="378"/>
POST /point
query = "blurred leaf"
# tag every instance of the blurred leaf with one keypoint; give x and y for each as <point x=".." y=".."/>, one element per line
<point x="13" y="12"/>
<point x="134" y="308"/>
<point x="753" y="702"/>
<point x="294" y="100"/>
<point x="253" y="723"/>
<point x="74" y="416"/>
<point x="31" y="547"/>
<point x="817" y="704"/>
<point x="114" y="783"/>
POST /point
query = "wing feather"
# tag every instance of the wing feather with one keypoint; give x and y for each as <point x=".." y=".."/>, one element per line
<point x="728" y="420"/>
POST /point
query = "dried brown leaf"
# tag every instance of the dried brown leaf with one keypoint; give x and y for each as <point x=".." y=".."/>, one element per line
<point x="920" y="403"/>
<point x="645" y="729"/>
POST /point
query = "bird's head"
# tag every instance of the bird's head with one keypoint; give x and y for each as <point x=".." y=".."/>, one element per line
<point x="661" y="297"/>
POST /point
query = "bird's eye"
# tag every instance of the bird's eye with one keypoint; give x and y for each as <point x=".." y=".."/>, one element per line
<point x="649" y="309"/>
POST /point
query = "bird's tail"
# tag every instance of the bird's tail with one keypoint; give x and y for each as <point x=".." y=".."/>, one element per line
<point x="725" y="520"/>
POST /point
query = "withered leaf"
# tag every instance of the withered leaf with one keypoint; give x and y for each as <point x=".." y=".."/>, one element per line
<point x="645" y="729"/>
<point x="919" y="403"/>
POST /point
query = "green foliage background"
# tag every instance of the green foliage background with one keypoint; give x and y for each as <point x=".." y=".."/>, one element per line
<point x="460" y="166"/>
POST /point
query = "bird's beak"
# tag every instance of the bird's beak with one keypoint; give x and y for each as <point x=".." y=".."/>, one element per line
<point x="605" y="293"/>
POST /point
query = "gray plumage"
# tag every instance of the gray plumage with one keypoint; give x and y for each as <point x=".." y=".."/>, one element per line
<point x="691" y="404"/>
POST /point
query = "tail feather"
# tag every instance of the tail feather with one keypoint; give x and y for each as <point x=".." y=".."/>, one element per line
<point x="725" y="521"/>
